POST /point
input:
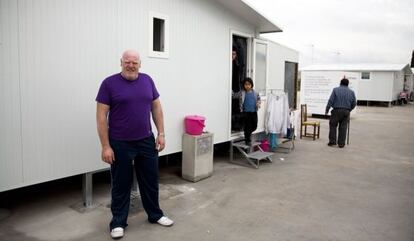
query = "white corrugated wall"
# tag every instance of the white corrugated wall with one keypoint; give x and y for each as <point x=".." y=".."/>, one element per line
<point x="278" y="55"/>
<point x="11" y="162"/>
<point x="54" y="55"/>
<point x="378" y="88"/>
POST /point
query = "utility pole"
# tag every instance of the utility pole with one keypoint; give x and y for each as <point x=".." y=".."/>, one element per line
<point x="312" y="46"/>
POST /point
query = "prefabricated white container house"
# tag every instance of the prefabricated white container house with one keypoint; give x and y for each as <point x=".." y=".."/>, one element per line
<point x="378" y="82"/>
<point x="55" y="54"/>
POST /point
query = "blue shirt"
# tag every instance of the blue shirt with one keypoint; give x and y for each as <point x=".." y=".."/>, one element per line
<point x="341" y="98"/>
<point x="249" y="104"/>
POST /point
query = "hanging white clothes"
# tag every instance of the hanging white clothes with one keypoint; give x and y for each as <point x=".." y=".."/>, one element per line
<point x="277" y="114"/>
<point x="295" y="120"/>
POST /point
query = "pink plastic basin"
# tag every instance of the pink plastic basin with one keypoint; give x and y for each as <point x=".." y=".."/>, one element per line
<point x="264" y="145"/>
<point x="194" y="124"/>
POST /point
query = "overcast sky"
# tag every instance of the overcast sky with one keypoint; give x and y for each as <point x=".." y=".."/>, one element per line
<point x="339" y="31"/>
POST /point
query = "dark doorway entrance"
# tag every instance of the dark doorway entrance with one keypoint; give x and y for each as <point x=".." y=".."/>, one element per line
<point x="239" y="71"/>
<point x="291" y="76"/>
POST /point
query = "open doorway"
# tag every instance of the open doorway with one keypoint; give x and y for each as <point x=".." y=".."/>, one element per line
<point x="239" y="73"/>
<point x="291" y="78"/>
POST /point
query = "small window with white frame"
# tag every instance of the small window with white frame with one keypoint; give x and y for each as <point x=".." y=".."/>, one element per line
<point x="365" y="75"/>
<point x="158" y="35"/>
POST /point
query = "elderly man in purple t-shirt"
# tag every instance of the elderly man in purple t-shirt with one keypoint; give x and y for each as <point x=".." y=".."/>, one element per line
<point x="125" y="102"/>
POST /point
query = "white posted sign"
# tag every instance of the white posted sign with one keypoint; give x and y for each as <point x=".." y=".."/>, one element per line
<point x="316" y="87"/>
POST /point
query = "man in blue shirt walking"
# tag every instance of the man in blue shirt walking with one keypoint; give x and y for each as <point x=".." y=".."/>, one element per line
<point x="342" y="101"/>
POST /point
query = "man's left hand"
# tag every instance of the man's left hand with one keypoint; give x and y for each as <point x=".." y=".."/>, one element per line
<point x="160" y="143"/>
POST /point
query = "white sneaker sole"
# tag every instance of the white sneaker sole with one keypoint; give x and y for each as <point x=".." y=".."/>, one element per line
<point x="117" y="234"/>
<point x="166" y="222"/>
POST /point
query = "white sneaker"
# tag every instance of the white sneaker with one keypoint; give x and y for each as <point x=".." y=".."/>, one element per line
<point x="164" y="221"/>
<point x="117" y="233"/>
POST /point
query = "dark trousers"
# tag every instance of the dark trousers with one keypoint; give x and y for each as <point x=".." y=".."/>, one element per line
<point x="145" y="158"/>
<point x="338" y="117"/>
<point x="250" y="125"/>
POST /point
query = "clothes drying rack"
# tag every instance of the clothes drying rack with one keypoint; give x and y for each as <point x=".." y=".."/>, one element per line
<point x="287" y="143"/>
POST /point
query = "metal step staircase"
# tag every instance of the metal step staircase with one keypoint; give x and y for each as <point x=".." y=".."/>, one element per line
<point x="252" y="157"/>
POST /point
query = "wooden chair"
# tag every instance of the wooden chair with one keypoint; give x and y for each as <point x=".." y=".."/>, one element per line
<point x="304" y="123"/>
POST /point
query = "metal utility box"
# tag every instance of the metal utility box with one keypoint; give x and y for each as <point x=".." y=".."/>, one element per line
<point x="197" y="160"/>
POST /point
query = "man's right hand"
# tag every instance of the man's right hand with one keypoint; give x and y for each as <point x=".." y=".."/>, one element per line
<point x="108" y="155"/>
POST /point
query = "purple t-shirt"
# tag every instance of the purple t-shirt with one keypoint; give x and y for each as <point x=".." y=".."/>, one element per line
<point x="130" y="105"/>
